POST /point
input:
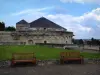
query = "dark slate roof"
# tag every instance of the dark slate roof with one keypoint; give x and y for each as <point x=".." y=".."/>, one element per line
<point x="22" y="22"/>
<point x="45" y="23"/>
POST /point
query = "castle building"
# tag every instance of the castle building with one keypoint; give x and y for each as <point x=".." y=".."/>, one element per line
<point x="41" y="30"/>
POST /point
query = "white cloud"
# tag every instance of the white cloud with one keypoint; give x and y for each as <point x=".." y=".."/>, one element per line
<point x="72" y="24"/>
<point x="81" y="1"/>
<point x="31" y="11"/>
<point x="84" y="26"/>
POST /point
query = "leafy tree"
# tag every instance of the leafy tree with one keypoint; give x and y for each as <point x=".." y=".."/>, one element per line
<point x="89" y="43"/>
<point x="99" y="43"/>
<point x="10" y="28"/>
<point x="94" y="41"/>
<point x="81" y="42"/>
<point x="2" y="26"/>
<point x="73" y="41"/>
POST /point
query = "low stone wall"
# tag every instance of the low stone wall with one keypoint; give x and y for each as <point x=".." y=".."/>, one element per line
<point x="5" y="64"/>
<point x="39" y="63"/>
<point x="10" y="43"/>
<point x="92" y="60"/>
<point x="47" y="62"/>
<point x="51" y="62"/>
<point x="90" y="47"/>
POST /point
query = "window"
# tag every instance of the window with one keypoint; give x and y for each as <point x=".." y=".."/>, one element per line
<point x="66" y="42"/>
<point x="44" y="28"/>
<point x="30" y="42"/>
<point x="67" y="37"/>
<point x="45" y="42"/>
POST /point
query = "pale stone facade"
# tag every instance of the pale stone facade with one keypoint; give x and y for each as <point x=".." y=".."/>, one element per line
<point x="27" y="35"/>
<point x="34" y="37"/>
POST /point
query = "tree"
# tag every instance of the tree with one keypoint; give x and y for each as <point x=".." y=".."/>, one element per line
<point x="73" y="41"/>
<point x="2" y="26"/>
<point x="10" y="28"/>
<point x="89" y="43"/>
<point x="81" y="42"/>
<point x="94" y="41"/>
<point x="99" y="43"/>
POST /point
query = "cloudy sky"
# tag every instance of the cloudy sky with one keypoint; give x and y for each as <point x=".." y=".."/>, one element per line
<point x="80" y="16"/>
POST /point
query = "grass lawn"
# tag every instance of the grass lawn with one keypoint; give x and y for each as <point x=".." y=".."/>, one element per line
<point x="41" y="52"/>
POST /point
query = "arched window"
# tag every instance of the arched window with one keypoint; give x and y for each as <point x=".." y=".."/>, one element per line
<point x="45" y="42"/>
<point x="67" y="37"/>
<point x="30" y="41"/>
<point x="66" y="42"/>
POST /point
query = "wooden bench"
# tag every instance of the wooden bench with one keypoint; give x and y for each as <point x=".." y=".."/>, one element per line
<point x="70" y="56"/>
<point x="23" y="57"/>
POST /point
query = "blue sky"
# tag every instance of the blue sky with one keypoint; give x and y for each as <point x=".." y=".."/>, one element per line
<point x="80" y="16"/>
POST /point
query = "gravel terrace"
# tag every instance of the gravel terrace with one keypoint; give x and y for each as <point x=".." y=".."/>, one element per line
<point x="69" y="69"/>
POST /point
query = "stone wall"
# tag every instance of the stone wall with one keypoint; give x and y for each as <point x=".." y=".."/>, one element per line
<point x="33" y="37"/>
<point x="7" y="63"/>
<point x="48" y="29"/>
<point x="21" y="27"/>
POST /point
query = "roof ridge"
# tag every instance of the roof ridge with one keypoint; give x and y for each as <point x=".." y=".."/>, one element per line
<point x="45" y="23"/>
<point x="22" y="22"/>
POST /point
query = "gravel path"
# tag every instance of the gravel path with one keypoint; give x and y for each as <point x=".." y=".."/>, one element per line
<point x="88" y="69"/>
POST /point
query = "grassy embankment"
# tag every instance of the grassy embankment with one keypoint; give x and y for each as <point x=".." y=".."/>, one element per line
<point x="41" y="52"/>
